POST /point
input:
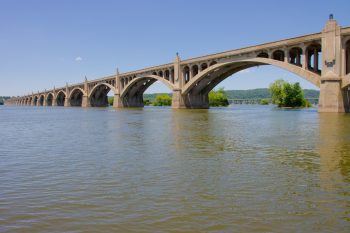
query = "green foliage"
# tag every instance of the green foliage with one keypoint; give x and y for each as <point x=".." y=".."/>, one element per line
<point x="162" y="100"/>
<point x="307" y="104"/>
<point x="147" y="102"/>
<point x="264" y="101"/>
<point x="152" y="97"/>
<point x="285" y="94"/>
<point x="218" y="98"/>
<point x="110" y="100"/>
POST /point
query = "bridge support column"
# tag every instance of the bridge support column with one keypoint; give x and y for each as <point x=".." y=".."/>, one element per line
<point x="66" y="103"/>
<point x="178" y="101"/>
<point x="332" y="97"/>
<point x="85" y="103"/>
<point x="54" y="102"/>
<point x="194" y="101"/>
<point x="117" y="103"/>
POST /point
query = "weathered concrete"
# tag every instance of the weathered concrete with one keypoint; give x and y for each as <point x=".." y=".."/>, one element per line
<point x="191" y="80"/>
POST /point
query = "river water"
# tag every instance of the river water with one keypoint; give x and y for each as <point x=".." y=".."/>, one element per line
<point x="235" y="169"/>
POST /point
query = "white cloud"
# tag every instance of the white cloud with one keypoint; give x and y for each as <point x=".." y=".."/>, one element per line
<point x="78" y="59"/>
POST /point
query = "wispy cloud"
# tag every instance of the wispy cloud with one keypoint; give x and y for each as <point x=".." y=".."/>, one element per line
<point x="78" y="59"/>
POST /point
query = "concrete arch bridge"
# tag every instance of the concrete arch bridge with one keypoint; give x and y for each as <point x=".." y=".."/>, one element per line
<point x="322" y="58"/>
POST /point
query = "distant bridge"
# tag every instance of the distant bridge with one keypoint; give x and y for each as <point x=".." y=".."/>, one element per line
<point x="191" y="80"/>
<point x="313" y="101"/>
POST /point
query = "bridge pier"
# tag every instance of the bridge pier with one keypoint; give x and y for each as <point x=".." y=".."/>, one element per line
<point x="54" y="102"/>
<point x="117" y="103"/>
<point x="194" y="101"/>
<point x="66" y="102"/>
<point x="332" y="97"/>
<point x="178" y="101"/>
<point x="85" y="102"/>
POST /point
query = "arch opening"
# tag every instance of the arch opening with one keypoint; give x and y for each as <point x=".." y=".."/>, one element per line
<point x="278" y="55"/>
<point x="76" y="98"/>
<point x="99" y="95"/>
<point x="204" y="66"/>
<point x="212" y="63"/>
<point x="49" y="99"/>
<point x="313" y="54"/>
<point x="347" y="56"/>
<point x="263" y="55"/>
<point x="167" y="75"/>
<point x="35" y="101"/>
<point x="132" y="95"/>
<point x="295" y="56"/>
<point x="186" y="74"/>
<point x="194" y="70"/>
<point x="60" y="99"/>
<point x="41" y="100"/>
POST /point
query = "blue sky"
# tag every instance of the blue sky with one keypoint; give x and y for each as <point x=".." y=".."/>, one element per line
<point x="48" y="43"/>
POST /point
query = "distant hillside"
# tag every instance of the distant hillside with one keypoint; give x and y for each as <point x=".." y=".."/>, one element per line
<point x="260" y="93"/>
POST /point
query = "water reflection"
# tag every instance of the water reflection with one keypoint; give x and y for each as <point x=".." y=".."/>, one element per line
<point x="334" y="150"/>
<point x="240" y="169"/>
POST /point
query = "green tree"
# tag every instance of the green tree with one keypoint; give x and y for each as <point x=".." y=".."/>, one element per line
<point x="147" y="102"/>
<point x="277" y="93"/>
<point x="162" y="100"/>
<point x="218" y="98"/>
<point x="285" y="94"/>
<point x="264" y="101"/>
<point x="110" y="100"/>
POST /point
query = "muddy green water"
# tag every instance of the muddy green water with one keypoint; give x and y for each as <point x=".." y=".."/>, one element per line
<point x="236" y="169"/>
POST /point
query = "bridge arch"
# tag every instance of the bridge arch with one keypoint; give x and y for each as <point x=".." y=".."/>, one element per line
<point x="49" y="99"/>
<point x="60" y="98"/>
<point x="41" y="100"/>
<point x="75" y="97"/>
<point x="35" y="100"/>
<point x="30" y="100"/>
<point x="132" y="93"/>
<point x="98" y="95"/>
<point x="206" y="80"/>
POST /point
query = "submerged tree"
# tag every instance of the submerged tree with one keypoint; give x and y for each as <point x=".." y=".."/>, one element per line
<point x="285" y="94"/>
